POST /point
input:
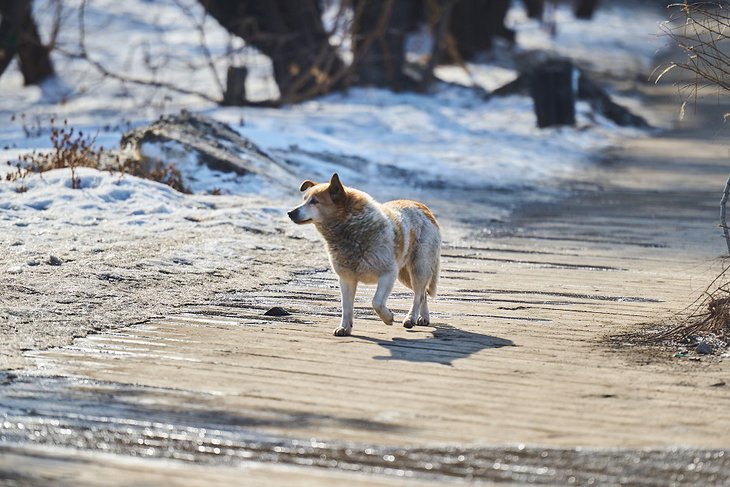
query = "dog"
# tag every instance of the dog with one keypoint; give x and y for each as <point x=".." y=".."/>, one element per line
<point x="372" y="243"/>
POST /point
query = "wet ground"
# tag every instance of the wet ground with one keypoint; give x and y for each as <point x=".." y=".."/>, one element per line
<point x="68" y="414"/>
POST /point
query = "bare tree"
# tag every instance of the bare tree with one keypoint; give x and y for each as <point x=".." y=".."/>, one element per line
<point x="475" y="23"/>
<point x="292" y="34"/>
<point x="701" y="30"/>
<point x="378" y="34"/>
<point x="19" y="36"/>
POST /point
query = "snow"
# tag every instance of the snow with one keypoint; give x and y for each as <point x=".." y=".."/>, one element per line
<point x="376" y="139"/>
<point x="620" y="39"/>
<point x="53" y="217"/>
<point x="451" y="138"/>
<point x="199" y="178"/>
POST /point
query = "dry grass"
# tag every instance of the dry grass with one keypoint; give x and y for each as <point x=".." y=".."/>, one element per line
<point x="707" y="320"/>
<point x="702" y="31"/>
<point x="71" y="149"/>
<point x="159" y="171"/>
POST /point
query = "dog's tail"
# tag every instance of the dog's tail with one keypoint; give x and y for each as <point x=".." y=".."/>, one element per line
<point x="435" y="269"/>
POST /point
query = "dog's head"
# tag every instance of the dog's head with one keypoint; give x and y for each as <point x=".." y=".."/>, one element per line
<point x="321" y="201"/>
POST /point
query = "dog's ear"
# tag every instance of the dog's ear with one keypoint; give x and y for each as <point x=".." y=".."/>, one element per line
<point x="337" y="191"/>
<point x="306" y="185"/>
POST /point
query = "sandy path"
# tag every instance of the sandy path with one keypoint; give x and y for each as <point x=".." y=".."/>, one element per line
<point x="518" y="354"/>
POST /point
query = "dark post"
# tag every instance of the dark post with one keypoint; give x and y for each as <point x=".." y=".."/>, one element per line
<point x="553" y="92"/>
<point x="235" y="94"/>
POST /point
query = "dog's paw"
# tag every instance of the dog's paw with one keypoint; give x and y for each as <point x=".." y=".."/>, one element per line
<point x="409" y="323"/>
<point x="423" y="321"/>
<point x="342" y="332"/>
<point x="385" y="315"/>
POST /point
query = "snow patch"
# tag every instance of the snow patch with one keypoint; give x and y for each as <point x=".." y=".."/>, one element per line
<point x="382" y="141"/>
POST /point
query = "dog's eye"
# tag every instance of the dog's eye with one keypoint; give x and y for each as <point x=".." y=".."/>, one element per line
<point x="314" y="201"/>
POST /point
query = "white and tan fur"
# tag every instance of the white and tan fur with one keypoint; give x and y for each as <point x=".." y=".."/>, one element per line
<point x="371" y="243"/>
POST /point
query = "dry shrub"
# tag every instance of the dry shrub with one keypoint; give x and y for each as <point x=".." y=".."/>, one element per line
<point x="707" y="319"/>
<point x="701" y="31"/>
<point x="18" y="175"/>
<point x="159" y="171"/>
<point x="72" y="149"/>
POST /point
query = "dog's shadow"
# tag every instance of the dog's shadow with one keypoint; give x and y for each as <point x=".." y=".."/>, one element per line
<point x="445" y="345"/>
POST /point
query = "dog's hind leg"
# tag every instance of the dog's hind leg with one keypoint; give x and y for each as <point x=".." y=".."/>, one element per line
<point x="419" y="310"/>
<point x="385" y="286"/>
<point x="419" y="300"/>
<point x="421" y="274"/>
<point x="348" y="289"/>
<point x="424" y="319"/>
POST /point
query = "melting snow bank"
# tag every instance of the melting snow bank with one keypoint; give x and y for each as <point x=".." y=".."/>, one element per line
<point x="210" y="154"/>
<point x="121" y="250"/>
<point x="452" y="138"/>
<point x="384" y="142"/>
<point x="114" y="206"/>
<point x="393" y="145"/>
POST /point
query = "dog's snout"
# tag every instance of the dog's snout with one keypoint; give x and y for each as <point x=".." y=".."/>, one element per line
<point x="296" y="215"/>
<point x="299" y="215"/>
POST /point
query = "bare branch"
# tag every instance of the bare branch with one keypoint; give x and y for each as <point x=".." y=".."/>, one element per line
<point x="200" y="27"/>
<point x="98" y="66"/>
<point x="700" y="30"/>
<point x="723" y="220"/>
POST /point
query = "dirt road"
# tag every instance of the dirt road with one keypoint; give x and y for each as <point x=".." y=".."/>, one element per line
<point x="516" y="381"/>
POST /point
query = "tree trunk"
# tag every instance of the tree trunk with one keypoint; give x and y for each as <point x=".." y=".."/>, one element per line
<point x="535" y="8"/>
<point x="475" y="23"/>
<point x="379" y="30"/>
<point x="19" y="35"/>
<point x="584" y="9"/>
<point x="291" y="33"/>
<point x="439" y="19"/>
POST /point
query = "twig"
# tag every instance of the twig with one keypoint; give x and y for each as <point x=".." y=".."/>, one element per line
<point x="723" y="220"/>
<point x="200" y="27"/>
<point x="137" y="81"/>
<point x="700" y="35"/>
<point x="344" y="74"/>
<point x="57" y="6"/>
<point x="441" y="15"/>
<point x="83" y="54"/>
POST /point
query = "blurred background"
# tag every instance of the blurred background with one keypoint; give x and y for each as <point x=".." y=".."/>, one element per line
<point x="286" y="51"/>
<point x="482" y="74"/>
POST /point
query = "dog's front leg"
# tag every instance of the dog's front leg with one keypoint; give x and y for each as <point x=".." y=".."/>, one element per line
<point x="347" y="288"/>
<point x="385" y="286"/>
